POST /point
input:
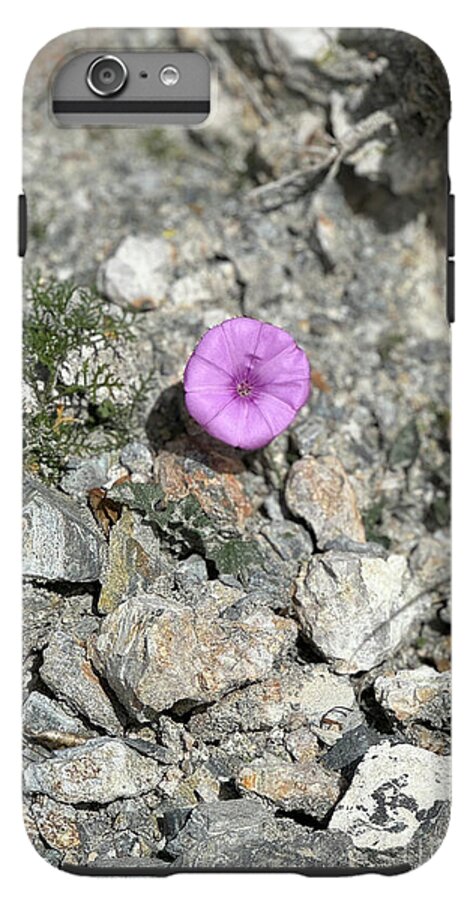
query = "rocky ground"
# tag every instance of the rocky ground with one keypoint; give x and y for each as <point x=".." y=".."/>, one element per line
<point x="242" y="659"/>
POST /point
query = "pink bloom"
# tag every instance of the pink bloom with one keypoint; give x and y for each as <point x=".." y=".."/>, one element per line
<point x="246" y="381"/>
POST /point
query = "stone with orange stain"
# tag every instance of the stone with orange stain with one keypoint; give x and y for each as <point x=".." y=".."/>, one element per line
<point x="318" y="490"/>
<point x="157" y="653"/>
<point x="67" y="671"/>
<point x="100" y="771"/>
<point x="416" y="695"/>
<point x="56" y="824"/>
<point x="211" y="476"/>
<point x="303" y="787"/>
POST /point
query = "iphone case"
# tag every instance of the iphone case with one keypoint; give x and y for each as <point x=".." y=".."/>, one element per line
<point x="236" y="599"/>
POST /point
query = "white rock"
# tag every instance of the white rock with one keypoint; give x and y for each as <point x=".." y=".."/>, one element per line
<point x="391" y="794"/>
<point x="139" y="273"/>
<point x="356" y="609"/>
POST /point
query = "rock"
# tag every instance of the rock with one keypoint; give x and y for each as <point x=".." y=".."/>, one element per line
<point x="308" y="788"/>
<point x="69" y="674"/>
<point x="191" y="571"/>
<point x="356" y="610"/>
<point x="137" y="458"/>
<point x="135" y="561"/>
<point x="305" y="44"/>
<point x="48" y="723"/>
<point x="243" y="834"/>
<point x="100" y="771"/>
<point x="185" y="791"/>
<point x="318" y="491"/>
<point x="351" y="747"/>
<point x="139" y="273"/>
<point x="211" y="476"/>
<point x="431" y="562"/>
<point x="156" y="652"/>
<point x="57" y="824"/>
<point x="416" y="695"/>
<point x="84" y="474"/>
<point x="307" y="696"/>
<point x="394" y="790"/>
<point x="289" y="539"/>
<point x="61" y="541"/>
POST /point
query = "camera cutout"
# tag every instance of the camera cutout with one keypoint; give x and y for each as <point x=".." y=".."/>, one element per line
<point x="95" y="88"/>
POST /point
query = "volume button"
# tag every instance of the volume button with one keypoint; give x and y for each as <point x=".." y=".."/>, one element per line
<point x="22" y="225"/>
<point x="450" y="291"/>
<point x="450" y="234"/>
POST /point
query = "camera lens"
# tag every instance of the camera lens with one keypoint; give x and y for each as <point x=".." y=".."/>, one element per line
<point x="106" y="75"/>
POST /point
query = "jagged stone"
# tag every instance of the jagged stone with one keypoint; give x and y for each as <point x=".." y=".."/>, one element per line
<point x="356" y="610"/>
<point x="319" y="491"/>
<point x="99" y="771"/>
<point x="156" y="653"/>
<point x="393" y="791"/>
<point x="61" y="541"/>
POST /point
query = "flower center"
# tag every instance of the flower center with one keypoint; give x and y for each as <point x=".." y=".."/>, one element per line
<point x="244" y="388"/>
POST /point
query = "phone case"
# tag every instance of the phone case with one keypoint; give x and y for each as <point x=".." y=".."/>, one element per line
<point x="236" y="505"/>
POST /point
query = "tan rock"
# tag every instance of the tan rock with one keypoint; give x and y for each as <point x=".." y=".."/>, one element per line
<point x="210" y="476"/>
<point x="156" y="653"/>
<point x="309" y="788"/>
<point x="319" y="491"/>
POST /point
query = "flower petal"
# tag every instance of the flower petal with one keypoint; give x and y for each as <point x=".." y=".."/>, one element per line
<point x="294" y="393"/>
<point x="201" y="374"/>
<point x="277" y="413"/>
<point x="241" y="424"/>
<point x="205" y="405"/>
<point x="228" y="344"/>
<point x="290" y="364"/>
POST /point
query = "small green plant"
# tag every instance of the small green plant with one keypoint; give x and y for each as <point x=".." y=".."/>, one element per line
<point x="187" y="528"/>
<point x="66" y="330"/>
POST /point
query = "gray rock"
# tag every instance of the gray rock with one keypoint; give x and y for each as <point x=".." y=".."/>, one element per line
<point x="309" y="697"/>
<point x="308" y="788"/>
<point x="84" y="474"/>
<point x="305" y="44"/>
<point x="156" y="653"/>
<point x="393" y="791"/>
<point x="61" y="541"/>
<point x="351" y="747"/>
<point x="100" y="771"/>
<point x="244" y="834"/>
<point x="182" y="790"/>
<point x="137" y="458"/>
<point x="356" y="610"/>
<point x="416" y="695"/>
<point x="319" y="491"/>
<point x="47" y="722"/>
<point x="210" y="285"/>
<point x="289" y="539"/>
<point x="139" y="272"/>
<point x="190" y="571"/>
<point x="69" y="674"/>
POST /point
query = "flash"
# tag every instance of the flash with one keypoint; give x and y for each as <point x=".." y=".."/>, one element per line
<point x="169" y="75"/>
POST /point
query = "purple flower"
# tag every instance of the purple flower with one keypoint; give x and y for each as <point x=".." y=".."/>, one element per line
<point x="245" y="382"/>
